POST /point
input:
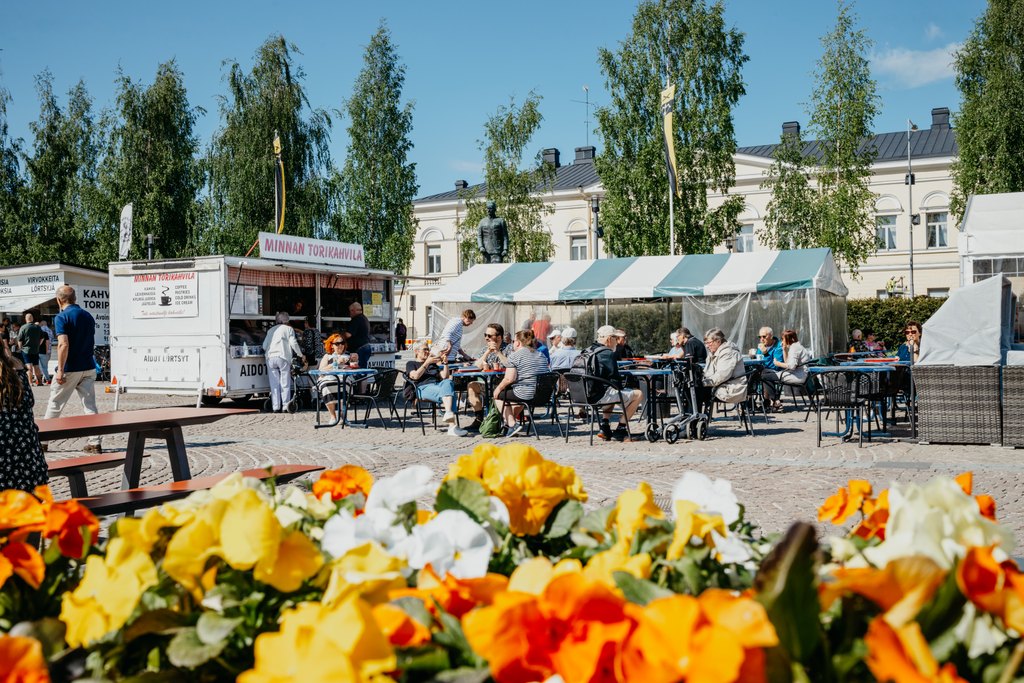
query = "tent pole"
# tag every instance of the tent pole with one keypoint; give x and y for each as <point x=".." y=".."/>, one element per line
<point x="606" y="311"/>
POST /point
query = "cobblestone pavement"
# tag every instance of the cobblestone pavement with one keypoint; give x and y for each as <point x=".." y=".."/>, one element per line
<point x="779" y="474"/>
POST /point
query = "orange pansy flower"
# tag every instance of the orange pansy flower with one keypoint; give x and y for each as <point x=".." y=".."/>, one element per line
<point x="400" y="628"/>
<point x="986" y="504"/>
<point x="902" y="655"/>
<point x="844" y="503"/>
<point x="21" y="660"/>
<point x="24" y="560"/>
<point x="70" y="521"/>
<point x="455" y="596"/>
<point x="21" y="510"/>
<point x="876" y="516"/>
<point x="901" y="588"/>
<point x="343" y="482"/>
<point x="997" y="588"/>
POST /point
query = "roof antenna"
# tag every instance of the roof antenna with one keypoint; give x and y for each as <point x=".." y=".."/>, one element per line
<point x="588" y="105"/>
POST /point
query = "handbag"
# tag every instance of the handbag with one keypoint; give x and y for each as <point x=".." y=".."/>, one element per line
<point x="491" y="427"/>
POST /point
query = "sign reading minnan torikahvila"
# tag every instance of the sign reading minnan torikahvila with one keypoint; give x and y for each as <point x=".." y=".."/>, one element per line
<point x="165" y="295"/>
<point x="306" y="250"/>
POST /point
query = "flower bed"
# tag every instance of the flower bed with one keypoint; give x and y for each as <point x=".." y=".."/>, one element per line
<point x="507" y="577"/>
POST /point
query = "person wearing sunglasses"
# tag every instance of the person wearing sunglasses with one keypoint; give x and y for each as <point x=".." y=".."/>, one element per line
<point x="910" y="350"/>
<point x="494" y="357"/>
<point x="771" y="353"/>
<point x="335" y="358"/>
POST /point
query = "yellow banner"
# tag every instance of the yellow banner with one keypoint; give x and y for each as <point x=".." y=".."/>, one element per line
<point x="668" y="96"/>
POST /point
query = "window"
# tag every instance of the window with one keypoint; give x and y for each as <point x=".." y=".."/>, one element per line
<point x="986" y="268"/>
<point x="745" y="238"/>
<point x="433" y="258"/>
<point x="937" y="234"/>
<point x="578" y="248"/>
<point x="938" y="292"/>
<point x="885" y="232"/>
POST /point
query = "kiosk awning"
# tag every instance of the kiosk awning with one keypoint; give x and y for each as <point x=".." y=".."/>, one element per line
<point x="20" y="304"/>
<point x="646" y="277"/>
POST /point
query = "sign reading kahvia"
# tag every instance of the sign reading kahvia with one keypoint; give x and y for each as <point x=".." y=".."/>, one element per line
<point x="306" y="250"/>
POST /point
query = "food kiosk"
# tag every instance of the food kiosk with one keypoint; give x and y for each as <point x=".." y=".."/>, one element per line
<point x="196" y="326"/>
<point x="33" y="289"/>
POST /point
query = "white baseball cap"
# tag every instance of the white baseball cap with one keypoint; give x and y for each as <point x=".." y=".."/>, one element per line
<point x="554" y="333"/>
<point x="569" y="333"/>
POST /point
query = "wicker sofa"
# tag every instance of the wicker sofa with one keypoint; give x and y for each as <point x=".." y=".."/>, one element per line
<point x="1013" y="405"/>
<point x="962" y="404"/>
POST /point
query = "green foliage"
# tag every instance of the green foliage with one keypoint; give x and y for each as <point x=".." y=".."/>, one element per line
<point x="703" y="59"/>
<point x="989" y="131"/>
<point x="12" y="233"/>
<point x="378" y="182"/>
<point x="648" y="325"/>
<point x="516" y="192"/>
<point x="887" y="317"/>
<point x="152" y="162"/>
<point x="60" y="201"/>
<point x="269" y="98"/>
<point x="838" y="212"/>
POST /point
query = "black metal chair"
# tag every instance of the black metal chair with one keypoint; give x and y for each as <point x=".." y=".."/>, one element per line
<point x="544" y="394"/>
<point x="418" y="406"/>
<point x="381" y="387"/>
<point x="581" y="387"/>
<point x="848" y="391"/>
<point x="745" y="408"/>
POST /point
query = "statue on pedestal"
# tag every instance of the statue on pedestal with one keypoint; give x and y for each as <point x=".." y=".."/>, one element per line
<point x="492" y="236"/>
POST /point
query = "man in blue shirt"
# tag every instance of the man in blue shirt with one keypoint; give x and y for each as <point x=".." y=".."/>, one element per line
<point x="76" y="366"/>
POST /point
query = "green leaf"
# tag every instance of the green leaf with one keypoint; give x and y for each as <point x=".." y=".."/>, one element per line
<point x="428" y="659"/>
<point x="562" y="519"/>
<point x="463" y="675"/>
<point x="596" y="520"/>
<point x="159" y="621"/>
<point x="415" y="608"/>
<point x="787" y="587"/>
<point x="188" y="651"/>
<point x="212" y="628"/>
<point x="637" y="590"/>
<point x="466" y="495"/>
<point x="944" y="610"/>
<point x="453" y="637"/>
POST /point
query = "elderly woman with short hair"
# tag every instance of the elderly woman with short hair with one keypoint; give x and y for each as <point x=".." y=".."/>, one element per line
<point x="724" y="371"/>
<point x="278" y="347"/>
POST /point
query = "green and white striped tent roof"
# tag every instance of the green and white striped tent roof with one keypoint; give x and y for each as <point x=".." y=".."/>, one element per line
<point x="647" y="277"/>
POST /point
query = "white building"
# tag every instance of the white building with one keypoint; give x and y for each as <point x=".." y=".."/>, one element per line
<point x="936" y="263"/>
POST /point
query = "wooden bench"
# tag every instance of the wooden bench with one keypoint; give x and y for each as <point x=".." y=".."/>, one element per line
<point x="150" y="423"/>
<point x="117" y="502"/>
<point x="75" y="468"/>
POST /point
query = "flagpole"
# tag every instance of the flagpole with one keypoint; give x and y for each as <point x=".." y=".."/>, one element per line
<point x="671" y="223"/>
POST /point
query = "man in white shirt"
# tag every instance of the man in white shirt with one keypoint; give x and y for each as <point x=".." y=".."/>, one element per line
<point x="278" y="348"/>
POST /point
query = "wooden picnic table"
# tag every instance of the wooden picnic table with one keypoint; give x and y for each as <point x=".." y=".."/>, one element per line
<point x="150" y="423"/>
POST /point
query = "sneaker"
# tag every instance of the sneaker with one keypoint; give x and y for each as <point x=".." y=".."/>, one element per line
<point x="474" y="426"/>
<point x="92" y="448"/>
<point x="514" y="429"/>
<point x="44" y="447"/>
<point x="457" y="431"/>
<point x="620" y="434"/>
<point x="606" y="432"/>
<point x="449" y="417"/>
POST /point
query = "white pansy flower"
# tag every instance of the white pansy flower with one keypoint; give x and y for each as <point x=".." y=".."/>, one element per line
<point x="407" y="486"/>
<point x="450" y="543"/>
<point x="731" y="550"/>
<point x="711" y="495"/>
<point x="287" y="515"/>
<point x="978" y="630"/>
<point x="343" y="531"/>
<point x="498" y="511"/>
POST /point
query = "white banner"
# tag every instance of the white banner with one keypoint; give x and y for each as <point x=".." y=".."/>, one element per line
<point x="126" y="233"/>
<point x="30" y="285"/>
<point x="306" y="250"/>
<point x="165" y="295"/>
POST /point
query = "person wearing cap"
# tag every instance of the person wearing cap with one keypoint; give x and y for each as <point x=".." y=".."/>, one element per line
<point x="606" y="367"/>
<point x="623" y="350"/>
<point x="554" y="339"/>
<point x="564" y="355"/>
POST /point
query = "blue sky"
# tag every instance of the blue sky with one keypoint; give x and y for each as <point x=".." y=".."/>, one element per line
<point x="465" y="59"/>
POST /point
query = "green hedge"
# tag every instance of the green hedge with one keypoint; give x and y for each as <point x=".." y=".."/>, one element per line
<point x="648" y="325"/>
<point x="886" y="317"/>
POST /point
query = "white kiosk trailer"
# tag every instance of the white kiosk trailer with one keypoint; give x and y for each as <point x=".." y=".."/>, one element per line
<point x="196" y="326"/>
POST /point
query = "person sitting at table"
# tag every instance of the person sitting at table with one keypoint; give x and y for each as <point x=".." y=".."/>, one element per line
<point x="857" y="344"/>
<point x="675" y="350"/>
<point x="520" y="380"/>
<point x="769" y="352"/>
<point x="431" y="381"/>
<point x="724" y="372"/>
<point x="623" y="350"/>
<point x="562" y="357"/>
<point x="871" y="342"/>
<point x="554" y="340"/>
<point x="693" y="348"/>
<point x="336" y="358"/>
<point x="793" y="370"/>
<point x="910" y="349"/>
<point x="494" y="357"/>
<point x="606" y="367"/>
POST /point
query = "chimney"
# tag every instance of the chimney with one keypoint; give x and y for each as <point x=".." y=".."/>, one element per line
<point x="940" y="118"/>
<point x="551" y="156"/>
<point x="585" y="155"/>
<point x="791" y="128"/>
<point x="461" y="184"/>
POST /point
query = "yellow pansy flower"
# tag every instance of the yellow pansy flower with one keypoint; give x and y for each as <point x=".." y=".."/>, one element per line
<point x="108" y="593"/>
<point x="318" y="643"/>
<point x="368" y="571"/>
<point x="471" y="466"/>
<point x="297" y="558"/>
<point x="690" y="524"/>
<point x="249" y="531"/>
<point x="192" y="545"/>
<point x="602" y="566"/>
<point x="533" y="575"/>
<point x="632" y="509"/>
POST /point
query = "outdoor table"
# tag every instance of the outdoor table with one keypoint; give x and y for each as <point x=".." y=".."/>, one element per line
<point x="344" y="378"/>
<point x="486" y="376"/>
<point x="861" y="368"/>
<point x="648" y="375"/>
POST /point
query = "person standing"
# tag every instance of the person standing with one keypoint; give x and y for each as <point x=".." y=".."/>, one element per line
<point x="46" y="349"/>
<point x="450" y="341"/>
<point x="278" y="347"/>
<point x="541" y="327"/>
<point x="401" y="334"/>
<point x="76" y="362"/>
<point x="22" y="464"/>
<point x="30" y="338"/>
<point x="312" y="341"/>
<point x="357" y="335"/>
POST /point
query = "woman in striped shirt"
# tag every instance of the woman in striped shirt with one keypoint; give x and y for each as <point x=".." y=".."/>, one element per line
<point x="520" y="380"/>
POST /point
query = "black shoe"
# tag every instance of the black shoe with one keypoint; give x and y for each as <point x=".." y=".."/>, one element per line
<point x="620" y="434"/>
<point x="606" y="432"/>
<point x="474" y="426"/>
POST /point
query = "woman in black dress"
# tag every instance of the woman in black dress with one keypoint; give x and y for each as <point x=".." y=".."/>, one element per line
<point x="22" y="464"/>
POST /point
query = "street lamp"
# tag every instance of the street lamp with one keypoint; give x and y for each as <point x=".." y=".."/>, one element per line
<point x="595" y="206"/>
<point x="915" y="219"/>
<point x="730" y="242"/>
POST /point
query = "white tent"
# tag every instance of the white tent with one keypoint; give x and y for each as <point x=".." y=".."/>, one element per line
<point x="973" y="327"/>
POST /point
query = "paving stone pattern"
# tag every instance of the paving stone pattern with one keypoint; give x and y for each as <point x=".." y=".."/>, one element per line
<point x="779" y="474"/>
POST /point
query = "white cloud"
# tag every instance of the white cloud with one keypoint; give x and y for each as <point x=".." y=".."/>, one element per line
<point x="932" y="31"/>
<point x="914" y="68"/>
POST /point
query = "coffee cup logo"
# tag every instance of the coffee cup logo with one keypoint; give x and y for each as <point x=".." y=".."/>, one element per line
<point x="165" y="300"/>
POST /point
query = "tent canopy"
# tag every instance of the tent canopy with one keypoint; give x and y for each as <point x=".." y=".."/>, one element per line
<point x="992" y="225"/>
<point x="646" y="277"/>
<point x="973" y="327"/>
